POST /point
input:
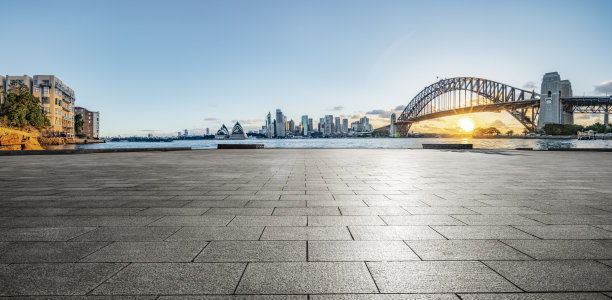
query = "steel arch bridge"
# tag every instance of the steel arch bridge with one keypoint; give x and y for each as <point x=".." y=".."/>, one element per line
<point x="462" y="95"/>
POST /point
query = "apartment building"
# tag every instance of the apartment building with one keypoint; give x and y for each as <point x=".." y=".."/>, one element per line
<point x="91" y="122"/>
<point x="56" y="98"/>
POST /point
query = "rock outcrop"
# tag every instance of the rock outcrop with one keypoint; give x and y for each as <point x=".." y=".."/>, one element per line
<point x="16" y="140"/>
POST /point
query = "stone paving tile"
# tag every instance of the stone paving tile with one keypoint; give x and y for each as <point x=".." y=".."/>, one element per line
<point x="240" y="211"/>
<point x="111" y="211"/>
<point x="421" y="220"/>
<point x="535" y="296"/>
<point x="217" y="203"/>
<point x="564" y="249"/>
<point x="77" y="221"/>
<point x="269" y="221"/>
<point x="481" y="232"/>
<point x="551" y="276"/>
<point x="465" y="250"/>
<point x="155" y="203"/>
<point x="253" y="251"/>
<point x="35" y="212"/>
<point x="277" y="203"/>
<point x="382" y="233"/>
<point x="359" y="251"/>
<point x="395" y="203"/>
<point x="495" y="220"/>
<point x="128" y="234"/>
<point x="306" y="278"/>
<point x="306" y="233"/>
<point x="385" y="297"/>
<point x="344" y="220"/>
<point x="43" y="233"/>
<point x="237" y="297"/>
<point x="173" y="279"/>
<point x="176" y="251"/>
<point x="172" y="211"/>
<point x="54" y="278"/>
<point x="437" y="277"/>
<point x="306" y="211"/>
<point x="334" y="203"/>
<point x="578" y="232"/>
<point x="306" y="197"/>
<point x="373" y="211"/>
<point x="193" y="221"/>
<point x="31" y="252"/>
<point x="572" y="219"/>
<point x="440" y="210"/>
<point x="515" y="210"/>
<point x="217" y="233"/>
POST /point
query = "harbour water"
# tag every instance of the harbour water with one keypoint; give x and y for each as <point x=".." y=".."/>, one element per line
<point x="369" y="143"/>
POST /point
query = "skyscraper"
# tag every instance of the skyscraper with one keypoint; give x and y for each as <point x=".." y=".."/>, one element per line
<point x="329" y="125"/>
<point x="207" y="131"/>
<point x="269" y="126"/>
<point x="310" y="128"/>
<point x="280" y="124"/>
<point x="305" y="126"/>
<point x="291" y="126"/>
<point x="344" y="126"/>
<point x="337" y="125"/>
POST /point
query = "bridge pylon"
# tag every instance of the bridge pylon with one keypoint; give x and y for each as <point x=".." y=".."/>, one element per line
<point x="552" y="110"/>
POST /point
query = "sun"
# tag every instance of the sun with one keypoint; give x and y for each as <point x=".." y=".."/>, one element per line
<point x="466" y="124"/>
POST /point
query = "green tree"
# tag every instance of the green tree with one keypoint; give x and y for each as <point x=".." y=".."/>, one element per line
<point x="525" y="132"/>
<point x="22" y="109"/>
<point x="510" y="132"/>
<point x="78" y="124"/>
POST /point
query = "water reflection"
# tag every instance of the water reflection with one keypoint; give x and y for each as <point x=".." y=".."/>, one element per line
<point x="506" y="143"/>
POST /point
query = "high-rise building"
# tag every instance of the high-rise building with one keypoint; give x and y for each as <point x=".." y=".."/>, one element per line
<point x="207" y="131"/>
<point x="91" y="122"/>
<point x="291" y="126"/>
<point x="280" y="124"/>
<point x="321" y="125"/>
<point x="329" y="125"/>
<point x="269" y="126"/>
<point x="310" y="128"/>
<point x="186" y="132"/>
<point x="392" y="126"/>
<point x="57" y="100"/>
<point x="337" y="125"/>
<point x="344" y="126"/>
<point x="305" y="125"/>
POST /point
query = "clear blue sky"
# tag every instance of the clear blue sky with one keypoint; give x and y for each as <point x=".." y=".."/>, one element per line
<point x="173" y="65"/>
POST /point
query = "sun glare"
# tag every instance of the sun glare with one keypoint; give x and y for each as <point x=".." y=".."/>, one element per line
<point x="466" y="124"/>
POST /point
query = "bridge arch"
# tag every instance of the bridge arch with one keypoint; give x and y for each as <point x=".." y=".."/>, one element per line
<point x="431" y="101"/>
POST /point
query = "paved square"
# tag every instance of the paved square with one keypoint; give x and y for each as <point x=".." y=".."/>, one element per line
<point x="308" y="224"/>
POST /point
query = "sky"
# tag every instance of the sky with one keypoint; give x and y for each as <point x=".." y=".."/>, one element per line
<point x="165" y="66"/>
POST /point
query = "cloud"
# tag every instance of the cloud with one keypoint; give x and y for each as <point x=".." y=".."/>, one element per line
<point x="386" y="113"/>
<point x="604" y="88"/>
<point x="212" y="119"/>
<point x="338" y="108"/>
<point x="212" y="105"/>
<point x="250" y="122"/>
<point x="530" y="85"/>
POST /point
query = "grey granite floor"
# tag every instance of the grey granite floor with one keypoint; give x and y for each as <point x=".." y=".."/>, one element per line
<point x="307" y="224"/>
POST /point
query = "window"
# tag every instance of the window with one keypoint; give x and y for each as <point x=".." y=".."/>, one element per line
<point x="38" y="89"/>
<point x="45" y="81"/>
<point x="549" y="94"/>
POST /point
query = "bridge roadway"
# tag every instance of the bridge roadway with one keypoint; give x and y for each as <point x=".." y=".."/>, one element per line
<point x="299" y="223"/>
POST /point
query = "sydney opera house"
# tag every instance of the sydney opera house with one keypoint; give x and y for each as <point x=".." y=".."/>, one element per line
<point x="237" y="133"/>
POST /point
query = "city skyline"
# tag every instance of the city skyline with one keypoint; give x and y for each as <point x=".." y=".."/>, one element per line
<point x="163" y="67"/>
